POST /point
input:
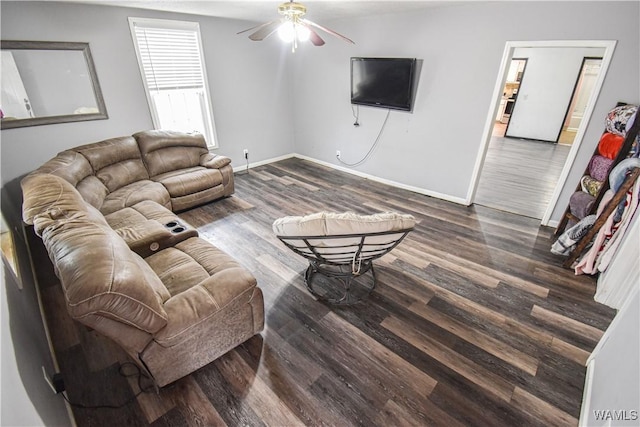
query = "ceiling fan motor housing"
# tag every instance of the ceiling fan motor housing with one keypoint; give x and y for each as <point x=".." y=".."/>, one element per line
<point x="292" y="9"/>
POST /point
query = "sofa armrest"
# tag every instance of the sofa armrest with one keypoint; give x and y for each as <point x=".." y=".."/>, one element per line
<point x="214" y="161"/>
<point x="147" y="237"/>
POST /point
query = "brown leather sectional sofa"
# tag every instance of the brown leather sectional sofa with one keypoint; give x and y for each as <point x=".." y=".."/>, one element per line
<point x="129" y="267"/>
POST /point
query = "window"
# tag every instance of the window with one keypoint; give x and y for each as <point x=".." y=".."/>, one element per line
<point x="173" y="72"/>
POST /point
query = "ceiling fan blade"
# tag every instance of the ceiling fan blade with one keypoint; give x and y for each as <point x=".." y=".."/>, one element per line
<point x="253" y="28"/>
<point x="265" y="30"/>
<point x="313" y="36"/>
<point x="333" y="33"/>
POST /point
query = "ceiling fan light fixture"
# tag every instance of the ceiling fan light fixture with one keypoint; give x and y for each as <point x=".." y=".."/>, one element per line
<point x="292" y="27"/>
<point x="287" y="31"/>
<point x="302" y="33"/>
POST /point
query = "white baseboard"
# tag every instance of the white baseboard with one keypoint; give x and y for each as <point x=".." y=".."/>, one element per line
<point x="586" y="394"/>
<point x="447" y="197"/>
<point x="262" y="162"/>
<point x="552" y="223"/>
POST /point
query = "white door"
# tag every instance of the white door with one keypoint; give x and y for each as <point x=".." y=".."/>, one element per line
<point x="14" y="100"/>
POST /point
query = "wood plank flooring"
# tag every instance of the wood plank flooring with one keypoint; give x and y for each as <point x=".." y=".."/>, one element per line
<point x="473" y="322"/>
<point x="519" y="175"/>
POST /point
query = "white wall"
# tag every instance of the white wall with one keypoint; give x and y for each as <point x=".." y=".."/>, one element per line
<point x="545" y="92"/>
<point x="461" y="45"/>
<point x="617" y="282"/>
<point x="613" y="375"/>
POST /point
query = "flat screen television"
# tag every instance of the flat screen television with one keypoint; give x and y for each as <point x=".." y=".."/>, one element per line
<point x="383" y="82"/>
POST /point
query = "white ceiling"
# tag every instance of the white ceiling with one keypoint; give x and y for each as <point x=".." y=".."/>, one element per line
<point x="264" y="10"/>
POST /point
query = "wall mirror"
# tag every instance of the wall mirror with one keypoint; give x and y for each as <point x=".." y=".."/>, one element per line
<point x="48" y="82"/>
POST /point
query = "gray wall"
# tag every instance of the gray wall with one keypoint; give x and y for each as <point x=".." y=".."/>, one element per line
<point x="249" y="83"/>
<point x="461" y="45"/>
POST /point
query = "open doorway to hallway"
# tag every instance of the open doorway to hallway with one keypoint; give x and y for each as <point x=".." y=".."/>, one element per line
<point x="524" y="171"/>
<point x="519" y="176"/>
<point x="584" y="86"/>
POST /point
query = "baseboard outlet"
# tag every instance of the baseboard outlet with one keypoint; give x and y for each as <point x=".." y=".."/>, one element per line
<point x="262" y="162"/>
<point x="56" y="382"/>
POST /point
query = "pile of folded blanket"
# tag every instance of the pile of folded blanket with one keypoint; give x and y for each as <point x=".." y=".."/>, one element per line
<point x="618" y="122"/>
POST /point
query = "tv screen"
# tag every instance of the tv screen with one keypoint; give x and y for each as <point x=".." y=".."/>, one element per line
<point x="383" y="82"/>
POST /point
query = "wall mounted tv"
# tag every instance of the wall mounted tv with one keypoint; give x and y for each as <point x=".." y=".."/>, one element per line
<point x="383" y="82"/>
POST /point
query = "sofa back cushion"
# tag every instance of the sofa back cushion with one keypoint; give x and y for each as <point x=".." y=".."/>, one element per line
<point x="164" y="151"/>
<point x="43" y="193"/>
<point x="116" y="162"/>
<point x="99" y="274"/>
<point x="76" y="169"/>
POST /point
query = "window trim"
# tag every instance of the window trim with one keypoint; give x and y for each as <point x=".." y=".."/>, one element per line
<point x="212" y="139"/>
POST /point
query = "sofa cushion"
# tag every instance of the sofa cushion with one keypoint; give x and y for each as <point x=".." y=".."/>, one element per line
<point x="338" y="237"/>
<point x="185" y="202"/>
<point x="51" y="196"/>
<point x="101" y="276"/>
<point x="165" y="151"/>
<point x="76" y="169"/>
<point x="347" y="223"/>
<point x="134" y="193"/>
<point x="202" y="280"/>
<point x="116" y="162"/>
<point x="69" y="165"/>
<point x="98" y="272"/>
<point x="141" y="211"/>
<point x="187" y="181"/>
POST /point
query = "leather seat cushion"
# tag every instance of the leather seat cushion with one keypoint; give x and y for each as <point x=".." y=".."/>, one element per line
<point x="141" y="212"/>
<point x="134" y="193"/>
<point x="187" y="181"/>
<point x="202" y="280"/>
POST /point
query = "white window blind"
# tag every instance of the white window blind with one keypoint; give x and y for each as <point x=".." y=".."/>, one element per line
<point x="173" y="72"/>
<point x="170" y="58"/>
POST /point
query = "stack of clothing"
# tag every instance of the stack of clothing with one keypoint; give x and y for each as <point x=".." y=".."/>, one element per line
<point x="581" y="204"/>
<point x="618" y="121"/>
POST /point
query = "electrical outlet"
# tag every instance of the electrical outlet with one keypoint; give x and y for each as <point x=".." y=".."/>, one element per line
<point x="338" y="153"/>
<point x="246" y="153"/>
<point x="56" y="382"/>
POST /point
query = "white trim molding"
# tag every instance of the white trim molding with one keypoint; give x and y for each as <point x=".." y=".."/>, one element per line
<point x="510" y="46"/>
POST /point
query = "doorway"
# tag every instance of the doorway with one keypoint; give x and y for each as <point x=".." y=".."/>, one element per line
<point x="510" y="94"/>
<point x="525" y="108"/>
<point x="575" y="112"/>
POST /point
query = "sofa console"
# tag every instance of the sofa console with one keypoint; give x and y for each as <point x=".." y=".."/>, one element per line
<point x="129" y="267"/>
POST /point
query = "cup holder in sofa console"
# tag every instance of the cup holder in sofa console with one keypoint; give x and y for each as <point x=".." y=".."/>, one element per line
<point x="175" y="227"/>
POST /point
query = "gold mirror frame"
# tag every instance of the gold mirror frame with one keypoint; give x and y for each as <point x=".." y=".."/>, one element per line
<point x="100" y="106"/>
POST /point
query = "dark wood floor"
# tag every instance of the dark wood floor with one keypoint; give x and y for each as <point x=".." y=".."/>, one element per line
<point x="473" y="322"/>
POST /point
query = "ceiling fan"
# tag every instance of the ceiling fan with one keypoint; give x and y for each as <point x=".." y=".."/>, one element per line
<point x="292" y="27"/>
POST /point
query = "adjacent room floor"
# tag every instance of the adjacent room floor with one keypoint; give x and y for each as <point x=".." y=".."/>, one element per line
<point x="472" y="322"/>
<point x="519" y="175"/>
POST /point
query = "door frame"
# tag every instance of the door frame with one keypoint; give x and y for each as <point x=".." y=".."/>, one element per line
<point x="510" y="46"/>
<point x="575" y="91"/>
<point x="515" y="101"/>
